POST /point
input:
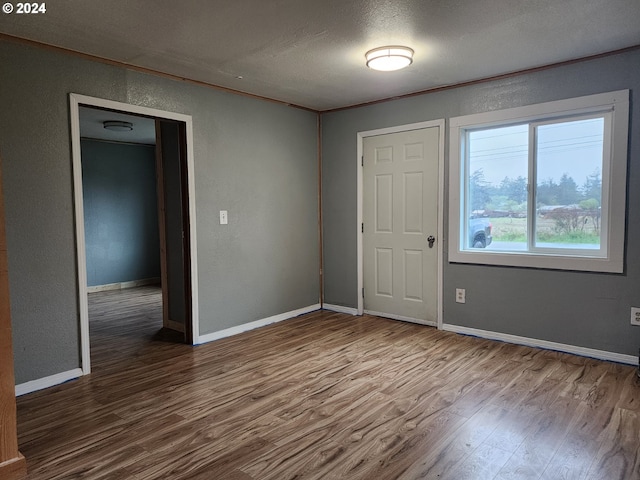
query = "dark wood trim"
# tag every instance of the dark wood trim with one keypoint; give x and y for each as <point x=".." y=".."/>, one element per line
<point x="186" y="237"/>
<point x="320" y="232"/>
<point x="149" y="71"/>
<point x="161" y="226"/>
<point x="186" y="227"/>
<point x="14" y="469"/>
<point x="12" y="463"/>
<point x="487" y="79"/>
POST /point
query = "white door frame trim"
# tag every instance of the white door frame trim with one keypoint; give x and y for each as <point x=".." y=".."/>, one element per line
<point x="440" y="225"/>
<point x="75" y="100"/>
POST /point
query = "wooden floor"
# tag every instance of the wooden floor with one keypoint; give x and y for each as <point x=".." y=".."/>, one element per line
<point x="327" y="396"/>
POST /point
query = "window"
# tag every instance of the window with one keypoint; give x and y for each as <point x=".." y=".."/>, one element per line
<point x="542" y="185"/>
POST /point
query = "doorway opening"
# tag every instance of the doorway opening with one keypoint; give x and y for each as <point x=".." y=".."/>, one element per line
<point x="135" y="220"/>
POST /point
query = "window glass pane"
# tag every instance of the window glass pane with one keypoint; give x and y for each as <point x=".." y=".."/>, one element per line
<point x="569" y="158"/>
<point x="497" y="188"/>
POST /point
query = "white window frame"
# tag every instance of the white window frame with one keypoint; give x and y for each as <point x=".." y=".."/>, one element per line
<point x="610" y="256"/>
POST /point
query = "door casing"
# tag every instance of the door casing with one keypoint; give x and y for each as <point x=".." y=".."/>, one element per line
<point x="173" y="185"/>
<point x="360" y="205"/>
<point x="75" y="100"/>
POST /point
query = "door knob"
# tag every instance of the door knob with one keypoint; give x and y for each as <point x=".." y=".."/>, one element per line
<point x="431" y="239"/>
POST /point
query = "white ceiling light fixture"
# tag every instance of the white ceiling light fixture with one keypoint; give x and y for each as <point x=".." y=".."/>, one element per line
<point x="387" y="59"/>
<point x="118" y="126"/>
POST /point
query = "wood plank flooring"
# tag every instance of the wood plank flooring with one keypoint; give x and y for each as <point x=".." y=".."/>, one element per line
<point x="327" y="396"/>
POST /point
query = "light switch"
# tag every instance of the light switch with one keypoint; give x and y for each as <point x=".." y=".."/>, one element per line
<point x="224" y="219"/>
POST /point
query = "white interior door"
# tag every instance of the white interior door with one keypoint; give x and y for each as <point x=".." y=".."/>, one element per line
<point x="400" y="213"/>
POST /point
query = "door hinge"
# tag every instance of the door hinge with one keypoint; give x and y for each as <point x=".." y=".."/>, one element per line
<point x="362" y="228"/>
<point x="362" y="292"/>
<point x="362" y="161"/>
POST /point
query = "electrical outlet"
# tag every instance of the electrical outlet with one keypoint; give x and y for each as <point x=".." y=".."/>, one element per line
<point x="635" y="316"/>
<point x="461" y="296"/>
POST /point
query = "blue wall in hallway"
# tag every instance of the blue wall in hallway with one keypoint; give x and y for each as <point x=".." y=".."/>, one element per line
<point x="120" y="212"/>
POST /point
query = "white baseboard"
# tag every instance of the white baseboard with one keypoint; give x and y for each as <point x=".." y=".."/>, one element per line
<point x="340" y="309"/>
<point x="533" y="342"/>
<point x="46" y="382"/>
<point x="123" y="285"/>
<point x="402" y="318"/>
<point x="210" y="337"/>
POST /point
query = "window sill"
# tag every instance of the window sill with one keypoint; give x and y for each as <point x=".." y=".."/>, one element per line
<point x="541" y="261"/>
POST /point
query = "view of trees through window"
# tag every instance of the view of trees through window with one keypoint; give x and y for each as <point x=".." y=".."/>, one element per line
<point x="567" y="189"/>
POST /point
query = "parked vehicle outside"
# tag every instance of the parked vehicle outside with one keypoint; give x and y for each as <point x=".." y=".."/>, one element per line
<point x="479" y="233"/>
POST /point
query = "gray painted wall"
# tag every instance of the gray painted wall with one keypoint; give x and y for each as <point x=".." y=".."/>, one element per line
<point x="254" y="158"/>
<point x="120" y="212"/>
<point x="582" y="309"/>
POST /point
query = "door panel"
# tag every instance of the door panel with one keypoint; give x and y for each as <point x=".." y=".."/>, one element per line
<point x="384" y="155"/>
<point x="413" y="275"/>
<point x="413" y="202"/>
<point x="384" y="203"/>
<point x="384" y="272"/>
<point x="400" y="211"/>
<point x="414" y="151"/>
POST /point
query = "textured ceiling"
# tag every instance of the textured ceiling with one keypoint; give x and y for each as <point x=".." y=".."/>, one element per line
<point x="311" y="52"/>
